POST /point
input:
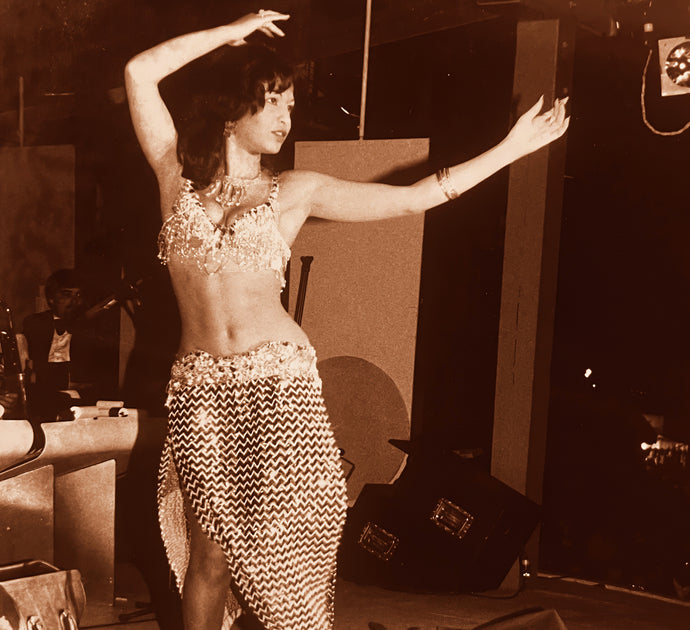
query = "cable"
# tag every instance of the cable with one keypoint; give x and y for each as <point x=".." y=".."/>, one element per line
<point x="644" y="108"/>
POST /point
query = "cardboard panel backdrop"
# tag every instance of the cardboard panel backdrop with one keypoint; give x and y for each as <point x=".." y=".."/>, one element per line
<point x="362" y="302"/>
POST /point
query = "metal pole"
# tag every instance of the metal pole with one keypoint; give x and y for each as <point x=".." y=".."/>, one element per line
<point x="365" y="71"/>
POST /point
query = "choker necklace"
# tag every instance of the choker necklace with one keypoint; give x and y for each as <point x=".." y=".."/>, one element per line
<point x="233" y="190"/>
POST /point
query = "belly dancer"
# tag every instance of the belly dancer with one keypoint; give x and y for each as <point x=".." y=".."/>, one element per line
<point x="251" y="494"/>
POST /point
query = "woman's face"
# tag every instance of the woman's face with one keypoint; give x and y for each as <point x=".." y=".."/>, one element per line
<point x="266" y="130"/>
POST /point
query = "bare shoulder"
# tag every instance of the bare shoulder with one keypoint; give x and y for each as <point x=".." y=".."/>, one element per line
<point x="297" y="189"/>
<point x="295" y="180"/>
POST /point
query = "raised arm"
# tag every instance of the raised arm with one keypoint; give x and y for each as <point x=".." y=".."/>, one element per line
<point x="151" y="119"/>
<point x="340" y="200"/>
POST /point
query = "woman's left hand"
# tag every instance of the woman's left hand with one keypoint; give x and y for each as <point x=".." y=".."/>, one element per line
<point x="534" y="130"/>
<point x="263" y="21"/>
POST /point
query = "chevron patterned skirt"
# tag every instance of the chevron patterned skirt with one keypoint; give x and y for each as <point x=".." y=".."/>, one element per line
<point x="250" y="447"/>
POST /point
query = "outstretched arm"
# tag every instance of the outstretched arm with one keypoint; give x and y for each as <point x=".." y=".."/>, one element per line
<point x="151" y="119"/>
<point x="340" y="200"/>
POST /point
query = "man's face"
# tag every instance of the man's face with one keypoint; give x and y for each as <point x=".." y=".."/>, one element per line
<point x="66" y="303"/>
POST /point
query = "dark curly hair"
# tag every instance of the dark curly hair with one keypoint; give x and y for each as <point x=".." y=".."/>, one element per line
<point x="233" y="84"/>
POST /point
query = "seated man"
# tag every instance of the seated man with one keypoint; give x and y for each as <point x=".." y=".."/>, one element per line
<point x="63" y="350"/>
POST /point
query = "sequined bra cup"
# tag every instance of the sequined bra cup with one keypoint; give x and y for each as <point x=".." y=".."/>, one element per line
<point x="252" y="242"/>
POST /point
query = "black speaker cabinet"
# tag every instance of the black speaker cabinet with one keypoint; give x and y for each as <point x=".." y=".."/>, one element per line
<point x="444" y="526"/>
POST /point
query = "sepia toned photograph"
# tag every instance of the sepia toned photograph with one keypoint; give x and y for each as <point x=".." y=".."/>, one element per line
<point x="344" y="315"/>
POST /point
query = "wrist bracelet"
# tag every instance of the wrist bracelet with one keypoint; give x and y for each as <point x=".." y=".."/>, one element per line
<point x="442" y="176"/>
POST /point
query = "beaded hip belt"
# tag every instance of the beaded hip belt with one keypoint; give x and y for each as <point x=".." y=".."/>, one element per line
<point x="278" y="359"/>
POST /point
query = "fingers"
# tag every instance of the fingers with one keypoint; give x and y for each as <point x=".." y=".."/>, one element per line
<point x="557" y="112"/>
<point x="555" y="118"/>
<point x="559" y="108"/>
<point x="533" y="111"/>
<point x="269" y="17"/>
<point x="272" y="30"/>
<point x="273" y="15"/>
<point x="556" y="129"/>
<point x="268" y="27"/>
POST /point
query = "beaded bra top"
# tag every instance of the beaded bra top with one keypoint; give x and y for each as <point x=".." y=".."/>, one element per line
<point x="252" y="242"/>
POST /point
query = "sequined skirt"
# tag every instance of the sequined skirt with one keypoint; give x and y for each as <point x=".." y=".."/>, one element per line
<point x="250" y="446"/>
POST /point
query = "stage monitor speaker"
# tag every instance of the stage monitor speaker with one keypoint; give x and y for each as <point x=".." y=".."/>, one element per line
<point x="445" y="526"/>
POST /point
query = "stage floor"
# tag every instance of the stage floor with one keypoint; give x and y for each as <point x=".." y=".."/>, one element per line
<point x="580" y="605"/>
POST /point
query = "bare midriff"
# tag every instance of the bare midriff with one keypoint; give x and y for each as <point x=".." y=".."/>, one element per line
<point x="229" y="312"/>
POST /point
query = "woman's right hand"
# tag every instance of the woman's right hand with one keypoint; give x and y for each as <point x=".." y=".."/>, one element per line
<point x="263" y="21"/>
<point x="534" y="130"/>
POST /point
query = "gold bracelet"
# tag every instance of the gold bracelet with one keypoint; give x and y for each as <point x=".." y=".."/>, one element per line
<point x="442" y="175"/>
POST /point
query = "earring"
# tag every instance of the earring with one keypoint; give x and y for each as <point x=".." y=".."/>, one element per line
<point x="229" y="128"/>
